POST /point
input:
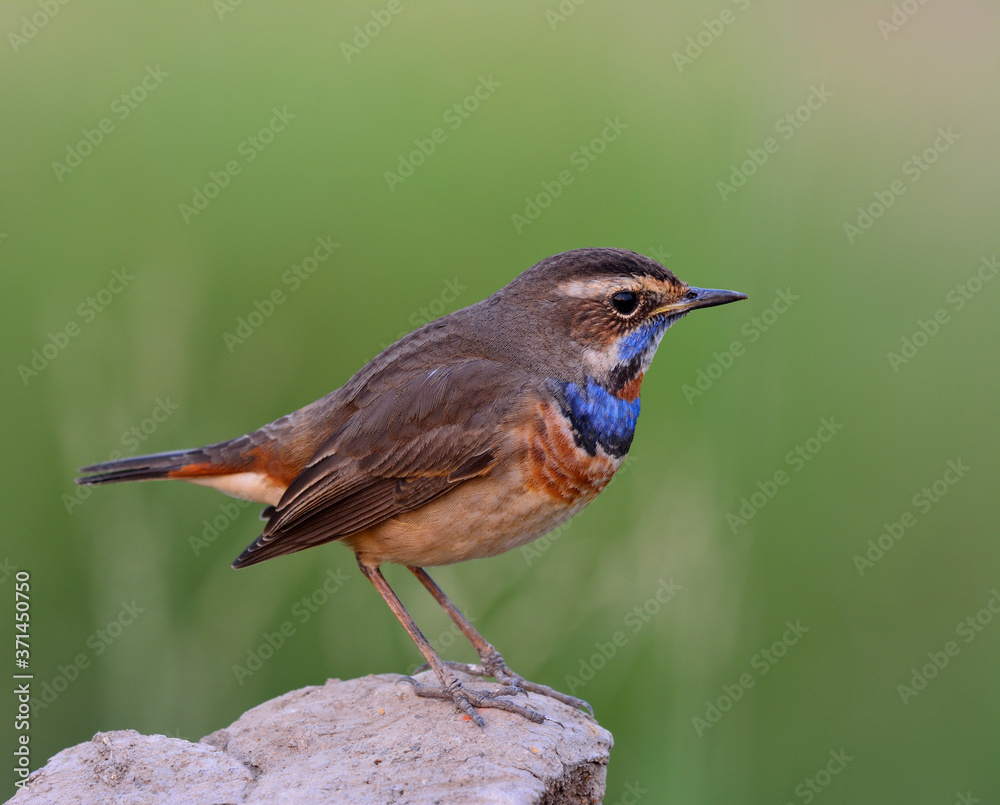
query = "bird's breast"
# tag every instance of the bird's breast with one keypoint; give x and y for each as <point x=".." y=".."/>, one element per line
<point x="543" y="477"/>
<point x="574" y="446"/>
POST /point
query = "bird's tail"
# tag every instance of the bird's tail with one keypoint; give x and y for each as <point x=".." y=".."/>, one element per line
<point x="244" y="468"/>
<point x="177" y="464"/>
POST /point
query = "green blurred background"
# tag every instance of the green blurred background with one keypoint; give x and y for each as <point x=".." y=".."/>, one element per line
<point x="882" y="88"/>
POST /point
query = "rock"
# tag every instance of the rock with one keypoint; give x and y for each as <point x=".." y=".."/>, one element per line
<point x="369" y="740"/>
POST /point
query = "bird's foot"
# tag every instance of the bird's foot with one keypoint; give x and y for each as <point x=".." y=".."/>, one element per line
<point x="493" y="665"/>
<point x="467" y="700"/>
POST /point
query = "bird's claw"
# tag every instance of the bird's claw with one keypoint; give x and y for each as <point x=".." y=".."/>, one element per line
<point x="468" y="699"/>
<point x="494" y="666"/>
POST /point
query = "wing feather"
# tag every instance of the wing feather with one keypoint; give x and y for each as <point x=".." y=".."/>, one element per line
<point x="405" y="445"/>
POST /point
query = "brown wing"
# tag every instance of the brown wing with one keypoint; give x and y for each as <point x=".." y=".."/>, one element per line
<point x="408" y="442"/>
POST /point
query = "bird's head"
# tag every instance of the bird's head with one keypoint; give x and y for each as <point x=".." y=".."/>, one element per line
<point x="614" y="305"/>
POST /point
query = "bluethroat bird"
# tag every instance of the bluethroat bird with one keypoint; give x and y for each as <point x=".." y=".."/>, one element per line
<point x="472" y="435"/>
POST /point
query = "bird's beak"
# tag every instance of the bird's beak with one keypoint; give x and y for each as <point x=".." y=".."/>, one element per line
<point x="701" y="297"/>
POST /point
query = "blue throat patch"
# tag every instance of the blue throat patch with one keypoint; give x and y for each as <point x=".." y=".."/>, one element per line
<point x="600" y="418"/>
<point x="643" y="337"/>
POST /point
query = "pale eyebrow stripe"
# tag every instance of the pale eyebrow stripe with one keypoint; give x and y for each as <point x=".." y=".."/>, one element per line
<point x="586" y="289"/>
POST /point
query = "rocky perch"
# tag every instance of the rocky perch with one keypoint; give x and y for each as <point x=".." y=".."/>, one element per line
<point x="369" y="740"/>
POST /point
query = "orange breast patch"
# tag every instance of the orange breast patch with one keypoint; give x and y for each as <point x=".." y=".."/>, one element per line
<point x="556" y="467"/>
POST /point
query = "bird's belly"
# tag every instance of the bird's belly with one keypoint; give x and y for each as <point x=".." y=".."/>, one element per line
<point x="542" y="481"/>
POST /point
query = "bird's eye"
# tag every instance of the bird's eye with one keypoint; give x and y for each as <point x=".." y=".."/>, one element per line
<point x="625" y="302"/>
<point x="691" y="295"/>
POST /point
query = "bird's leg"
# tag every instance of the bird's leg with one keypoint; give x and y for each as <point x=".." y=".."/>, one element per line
<point x="466" y="700"/>
<point x="493" y="664"/>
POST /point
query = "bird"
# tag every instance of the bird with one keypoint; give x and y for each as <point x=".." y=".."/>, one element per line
<point x="472" y="435"/>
